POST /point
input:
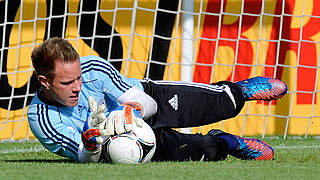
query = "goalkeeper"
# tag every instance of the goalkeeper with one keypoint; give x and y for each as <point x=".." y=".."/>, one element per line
<point x="83" y="100"/>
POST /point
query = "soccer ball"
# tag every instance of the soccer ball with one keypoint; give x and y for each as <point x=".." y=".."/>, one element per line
<point x="135" y="147"/>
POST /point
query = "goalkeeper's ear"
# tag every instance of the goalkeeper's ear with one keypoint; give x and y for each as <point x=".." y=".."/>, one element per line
<point x="44" y="81"/>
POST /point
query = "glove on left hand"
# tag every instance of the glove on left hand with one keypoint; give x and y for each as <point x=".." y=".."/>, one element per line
<point x="122" y="118"/>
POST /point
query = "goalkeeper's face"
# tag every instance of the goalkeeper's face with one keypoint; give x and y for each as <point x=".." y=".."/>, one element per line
<point x="66" y="85"/>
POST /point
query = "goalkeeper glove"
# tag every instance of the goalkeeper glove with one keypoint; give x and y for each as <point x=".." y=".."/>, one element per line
<point x="122" y="118"/>
<point x="92" y="134"/>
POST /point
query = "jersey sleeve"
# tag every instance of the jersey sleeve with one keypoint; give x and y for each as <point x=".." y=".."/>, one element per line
<point x="58" y="137"/>
<point x="105" y="77"/>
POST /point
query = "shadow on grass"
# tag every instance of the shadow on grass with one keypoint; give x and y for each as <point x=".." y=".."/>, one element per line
<point x="41" y="161"/>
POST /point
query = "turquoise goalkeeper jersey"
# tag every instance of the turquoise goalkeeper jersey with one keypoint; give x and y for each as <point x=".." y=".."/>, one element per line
<point x="58" y="128"/>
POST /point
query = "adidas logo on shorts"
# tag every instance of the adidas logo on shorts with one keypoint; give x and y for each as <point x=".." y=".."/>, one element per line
<point x="174" y="102"/>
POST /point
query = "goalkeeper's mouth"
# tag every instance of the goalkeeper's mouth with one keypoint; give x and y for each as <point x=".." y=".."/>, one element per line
<point x="74" y="98"/>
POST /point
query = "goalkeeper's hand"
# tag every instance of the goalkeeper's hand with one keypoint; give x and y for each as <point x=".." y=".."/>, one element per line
<point x="122" y="118"/>
<point x="92" y="133"/>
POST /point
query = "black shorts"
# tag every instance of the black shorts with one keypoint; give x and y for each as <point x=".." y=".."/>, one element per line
<point x="182" y="104"/>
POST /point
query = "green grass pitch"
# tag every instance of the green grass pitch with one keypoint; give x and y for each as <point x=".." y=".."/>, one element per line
<point x="295" y="158"/>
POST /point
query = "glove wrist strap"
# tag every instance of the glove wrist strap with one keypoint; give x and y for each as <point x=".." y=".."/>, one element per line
<point x="137" y="106"/>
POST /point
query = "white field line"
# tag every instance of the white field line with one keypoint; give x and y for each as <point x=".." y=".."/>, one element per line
<point x="296" y="147"/>
<point x="24" y="150"/>
<point x="42" y="149"/>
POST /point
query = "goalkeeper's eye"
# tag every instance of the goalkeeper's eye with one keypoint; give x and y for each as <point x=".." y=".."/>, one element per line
<point x="71" y="81"/>
<point x="67" y="83"/>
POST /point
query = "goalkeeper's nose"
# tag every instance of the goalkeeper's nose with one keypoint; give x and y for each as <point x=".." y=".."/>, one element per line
<point x="77" y="85"/>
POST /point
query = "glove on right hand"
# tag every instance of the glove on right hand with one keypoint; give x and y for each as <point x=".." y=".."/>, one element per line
<point x="92" y="133"/>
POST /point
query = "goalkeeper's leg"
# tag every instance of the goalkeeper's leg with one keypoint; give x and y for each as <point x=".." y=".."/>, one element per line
<point x="245" y="148"/>
<point x="215" y="146"/>
<point x="187" y="104"/>
<point x="182" y="104"/>
<point x="175" y="146"/>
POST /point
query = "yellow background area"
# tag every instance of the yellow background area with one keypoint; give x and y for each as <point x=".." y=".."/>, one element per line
<point x="255" y="118"/>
